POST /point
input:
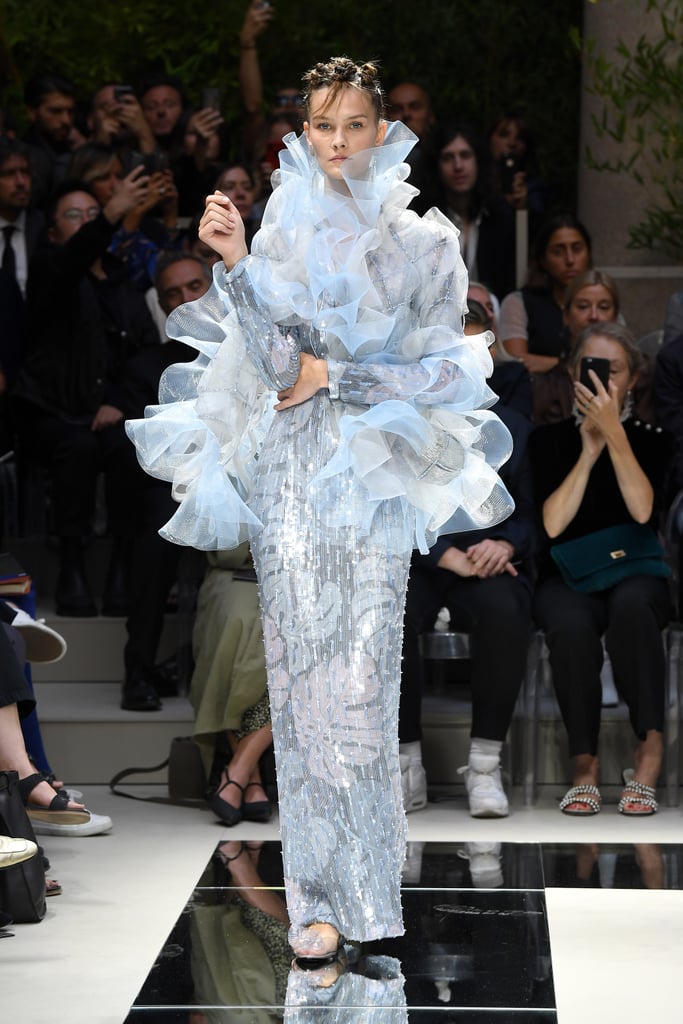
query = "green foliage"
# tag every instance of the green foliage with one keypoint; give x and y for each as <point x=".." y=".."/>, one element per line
<point x="475" y="57"/>
<point x="642" y="113"/>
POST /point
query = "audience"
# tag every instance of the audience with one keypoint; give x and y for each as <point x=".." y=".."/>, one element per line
<point x="602" y="470"/>
<point x="51" y="136"/>
<point x="410" y="103"/>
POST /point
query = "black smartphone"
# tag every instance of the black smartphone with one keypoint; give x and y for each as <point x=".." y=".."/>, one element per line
<point x="121" y="92"/>
<point x="510" y="164"/>
<point x="210" y="97"/>
<point x="600" y="367"/>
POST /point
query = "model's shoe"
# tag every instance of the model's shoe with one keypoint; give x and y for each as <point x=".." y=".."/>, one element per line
<point x="228" y="814"/>
<point x="484" y="787"/>
<point x="315" y="943"/>
<point x="138" y="693"/>
<point x="413" y="776"/>
<point x="14" y="851"/>
<point x="485" y="864"/>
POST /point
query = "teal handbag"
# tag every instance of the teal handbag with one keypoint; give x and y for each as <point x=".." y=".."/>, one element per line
<point x="602" y="559"/>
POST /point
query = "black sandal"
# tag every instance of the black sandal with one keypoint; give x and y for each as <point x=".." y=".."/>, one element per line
<point x="259" y="810"/>
<point x="228" y="814"/>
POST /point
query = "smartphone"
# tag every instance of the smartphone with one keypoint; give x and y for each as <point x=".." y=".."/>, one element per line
<point x="122" y="91"/>
<point x="600" y="366"/>
<point x="510" y="164"/>
<point x="210" y="97"/>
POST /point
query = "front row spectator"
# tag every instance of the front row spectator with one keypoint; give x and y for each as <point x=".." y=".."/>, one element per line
<point x="84" y="322"/>
<point x="482" y="578"/>
<point x="597" y="469"/>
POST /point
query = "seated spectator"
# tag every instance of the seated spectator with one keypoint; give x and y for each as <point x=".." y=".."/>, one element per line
<point x="154" y="561"/>
<point x="84" y="322"/>
<point x="228" y="691"/>
<point x="482" y="578"/>
<point x="51" y="813"/>
<point x="673" y="318"/>
<point x="531" y="322"/>
<point x="595" y="470"/>
<point x="668" y="393"/>
<point x="486" y="222"/>
<point x="591" y="297"/>
<point x="510" y="379"/>
<point x="205" y="145"/>
<point x="410" y="103"/>
<point x="163" y="103"/>
<point x="279" y="126"/>
<point x="51" y="135"/>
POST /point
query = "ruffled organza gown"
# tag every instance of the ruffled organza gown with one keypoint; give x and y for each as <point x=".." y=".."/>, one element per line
<point x="335" y="493"/>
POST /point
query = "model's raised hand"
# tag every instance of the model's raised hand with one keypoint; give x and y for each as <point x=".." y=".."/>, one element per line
<point x="222" y="228"/>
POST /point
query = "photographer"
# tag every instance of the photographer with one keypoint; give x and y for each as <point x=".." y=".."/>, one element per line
<point x="513" y="155"/>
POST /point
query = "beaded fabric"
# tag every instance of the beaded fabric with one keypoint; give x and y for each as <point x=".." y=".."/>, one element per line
<point x="333" y="494"/>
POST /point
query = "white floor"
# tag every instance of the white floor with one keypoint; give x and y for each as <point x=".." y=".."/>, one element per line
<point x="617" y="954"/>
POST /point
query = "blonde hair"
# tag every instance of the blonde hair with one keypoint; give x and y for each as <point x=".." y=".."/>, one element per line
<point x="339" y="73"/>
<point x="587" y="279"/>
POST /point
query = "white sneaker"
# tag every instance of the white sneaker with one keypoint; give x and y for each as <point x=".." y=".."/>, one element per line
<point x="485" y="791"/>
<point x="413" y="781"/>
<point x="485" y="864"/>
<point x="48" y="823"/>
<point x="43" y="644"/>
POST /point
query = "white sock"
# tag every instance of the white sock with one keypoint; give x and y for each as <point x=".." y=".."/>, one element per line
<point x="413" y="751"/>
<point x="484" y="754"/>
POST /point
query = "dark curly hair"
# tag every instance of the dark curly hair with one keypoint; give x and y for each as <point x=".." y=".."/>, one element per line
<point x="340" y="72"/>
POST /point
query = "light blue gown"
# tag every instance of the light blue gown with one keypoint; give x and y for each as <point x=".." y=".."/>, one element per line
<point x="334" y="493"/>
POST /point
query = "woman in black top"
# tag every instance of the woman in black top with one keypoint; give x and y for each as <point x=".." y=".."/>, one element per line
<point x="598" y="469"/>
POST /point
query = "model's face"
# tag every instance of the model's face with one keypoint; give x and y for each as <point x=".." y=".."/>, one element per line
<point x="339" y="130"/>
<point x="73" y="211"/>
<point x="106" y="181"/>
<point x="593" y="304"/>
<point x="182" y="282"/>
<point x="619" y="372"/>
<point x="15" y="186"/>
<point x="236" y="183"/>
<point x="566" y="255"/>
<point x="506" y="138"/>
<point x="410" y="103"/>
<point x="162" y="106"/>
<point x="54" y="116"/>
<point x="458" y="166"/>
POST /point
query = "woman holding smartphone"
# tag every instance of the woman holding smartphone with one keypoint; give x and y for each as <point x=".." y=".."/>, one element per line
<point x="336" y="418"/>
<point x="601" y="468"/>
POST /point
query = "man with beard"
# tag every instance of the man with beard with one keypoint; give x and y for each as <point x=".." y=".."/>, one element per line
<point x="51" y="135"/>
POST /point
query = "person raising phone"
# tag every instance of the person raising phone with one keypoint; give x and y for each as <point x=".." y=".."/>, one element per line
<point x="602" y="468"/>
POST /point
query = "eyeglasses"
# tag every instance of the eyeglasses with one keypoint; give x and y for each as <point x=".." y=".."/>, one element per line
<point x="74" y="214"/>
<point x="289" y="101"/>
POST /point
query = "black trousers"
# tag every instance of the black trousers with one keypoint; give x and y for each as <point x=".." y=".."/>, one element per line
<point x="153" y="570"/>
<point x="631" y="616"/>
<point x="496" y="612"/>
<point x="74" y="455"/>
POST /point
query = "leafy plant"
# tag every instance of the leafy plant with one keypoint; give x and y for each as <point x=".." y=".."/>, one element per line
<point x="641" y="112"/>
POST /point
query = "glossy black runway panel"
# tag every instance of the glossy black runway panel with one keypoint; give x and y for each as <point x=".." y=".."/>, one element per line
<point x="476" y="948"/>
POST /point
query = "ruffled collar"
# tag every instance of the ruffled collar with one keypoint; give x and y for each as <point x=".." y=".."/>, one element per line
<point x="309" y="259"/>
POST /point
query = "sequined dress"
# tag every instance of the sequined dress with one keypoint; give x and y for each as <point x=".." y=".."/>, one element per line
<point x="333" y="494"/>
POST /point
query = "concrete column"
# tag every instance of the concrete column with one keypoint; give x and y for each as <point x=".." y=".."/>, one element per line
<point x="609" y="203"/>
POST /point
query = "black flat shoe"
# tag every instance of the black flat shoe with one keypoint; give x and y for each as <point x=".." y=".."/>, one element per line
<point x="259" y="810"/>
<point x="228" y="814"/>
<point x="139" y="695"/>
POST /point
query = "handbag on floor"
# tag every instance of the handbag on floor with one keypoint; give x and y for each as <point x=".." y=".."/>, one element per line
<point x="602" y="559"/>
<point x="186" y="775"/>
<point x="22" y="886"/>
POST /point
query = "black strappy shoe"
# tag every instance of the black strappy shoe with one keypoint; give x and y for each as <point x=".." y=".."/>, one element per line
<point x="228" y="814"/>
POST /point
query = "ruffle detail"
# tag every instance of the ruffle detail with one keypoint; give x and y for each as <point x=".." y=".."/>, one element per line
<point x="335" y="277"/>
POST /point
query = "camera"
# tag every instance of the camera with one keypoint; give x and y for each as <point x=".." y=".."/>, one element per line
<point x="121" y="92"/>
<point x="210" y="97"/>
<point x="509" y="165"/>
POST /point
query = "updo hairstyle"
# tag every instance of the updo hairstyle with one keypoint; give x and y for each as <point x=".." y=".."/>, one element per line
<point x="340" y="72"/>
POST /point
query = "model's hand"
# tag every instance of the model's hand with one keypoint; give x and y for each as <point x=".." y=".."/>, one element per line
<point x="491" y="558"/>
<point x="222" y="229"/>
<point x="312" y="377"/>
<point x="106" y="416"/>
